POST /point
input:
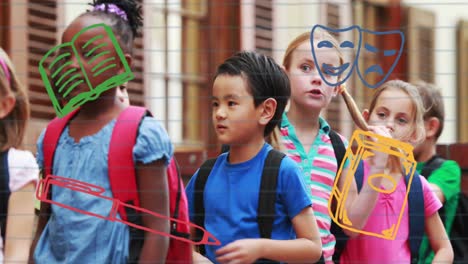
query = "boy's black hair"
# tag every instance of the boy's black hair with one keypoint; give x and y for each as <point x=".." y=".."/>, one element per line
<point x="127" y="30"/>
<point x="265" y="79"/>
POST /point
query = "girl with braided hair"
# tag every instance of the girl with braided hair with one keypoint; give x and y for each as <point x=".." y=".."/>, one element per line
<point x="66" y="236"/>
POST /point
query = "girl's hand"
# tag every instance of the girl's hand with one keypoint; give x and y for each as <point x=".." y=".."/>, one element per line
<point x="379" y="158"/>
<point x="240" y="251"/>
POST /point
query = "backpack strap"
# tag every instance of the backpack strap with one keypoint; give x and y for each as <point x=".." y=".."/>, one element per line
<point x="266" y="200"/>
<point x="4" y="191"/>
<point x="51" y="137"/>
<point x="122" y="175"/>
<point x="338" y="147"/>
<point x="121" y="167"/>
<point x="336" y="230"/>
<point x="49" y="144"/>
<point x="431" y="165"/>
<point x="340" y="151"/>
<point x="199" y="206"/>
<point x="267" y="195"/>
<point x="415" y="215"/>
<point x="172" y="169"/>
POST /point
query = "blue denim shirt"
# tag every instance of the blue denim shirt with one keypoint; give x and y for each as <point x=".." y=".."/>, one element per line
<point x="73" y="237"/>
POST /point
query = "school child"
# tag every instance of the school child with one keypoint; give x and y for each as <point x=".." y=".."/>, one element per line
<point x="397" y="108"/>
<point x="66" y="236"/>
<point x="309" y="140"/>
<point x="18" y="168"/>
<point x="443" y="175"/>
<point x="250" y="92"/>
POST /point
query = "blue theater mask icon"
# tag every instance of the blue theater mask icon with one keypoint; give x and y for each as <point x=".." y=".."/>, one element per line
<point x="372" y="76"/>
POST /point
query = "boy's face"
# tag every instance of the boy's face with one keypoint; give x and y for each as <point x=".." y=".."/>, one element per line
<point x="307" y="87"/>
<point x="235" y="118"/>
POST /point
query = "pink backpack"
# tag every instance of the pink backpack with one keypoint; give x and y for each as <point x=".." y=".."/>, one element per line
<point x="122" y="177"/>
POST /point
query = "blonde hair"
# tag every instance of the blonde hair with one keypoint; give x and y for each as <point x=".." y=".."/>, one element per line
<point x="319" y="34"/>
<point x="13" y="125"/>
<point x="417" y="103"/>
<point x="433" y="103"/>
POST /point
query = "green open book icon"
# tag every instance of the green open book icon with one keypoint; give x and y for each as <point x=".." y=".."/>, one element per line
<point x="61" y="79"/>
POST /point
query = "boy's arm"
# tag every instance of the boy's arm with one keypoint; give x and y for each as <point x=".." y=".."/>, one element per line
<point x="306" y="248"/>
<point x="438" y="239"/>
<point x="445" y="181"/>
<point x="154" y="196"/>
<point x="438" y="192"/>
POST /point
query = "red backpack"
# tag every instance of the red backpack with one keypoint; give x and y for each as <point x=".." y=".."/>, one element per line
<point x="122" y="177"/>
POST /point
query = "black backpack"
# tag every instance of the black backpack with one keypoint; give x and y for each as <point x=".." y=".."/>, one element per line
<point x="336" y="230"/>
<point x="266" y="200"/>
<point x="459" y="234"/>
<point x="4" y="191"/>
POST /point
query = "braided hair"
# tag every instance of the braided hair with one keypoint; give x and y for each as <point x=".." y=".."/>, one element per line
<point x="125" y="29"/>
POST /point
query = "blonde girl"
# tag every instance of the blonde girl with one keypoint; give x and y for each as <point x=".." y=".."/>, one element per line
<point x="397" y="108"/>
<point x="305" y="135"/>
<point x="18" y="168"/>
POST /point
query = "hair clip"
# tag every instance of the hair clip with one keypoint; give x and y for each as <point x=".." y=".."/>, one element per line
<point x="111" y="8"/>
<point x="5" y="69"/>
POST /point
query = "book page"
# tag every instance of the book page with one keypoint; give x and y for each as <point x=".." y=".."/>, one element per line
<point x="99" y="60"/>
<point x="59" y="78"/>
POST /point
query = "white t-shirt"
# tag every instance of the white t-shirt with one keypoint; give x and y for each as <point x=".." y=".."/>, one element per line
<point x="22" y="169"/>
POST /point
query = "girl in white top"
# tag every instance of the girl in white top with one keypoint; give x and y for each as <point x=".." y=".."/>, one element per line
<point x="19" y="165"/>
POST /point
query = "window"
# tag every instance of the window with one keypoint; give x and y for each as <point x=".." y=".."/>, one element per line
<point x="135" y="88"/>
<point x="185" y="41"/>
<point x="378" y="16"/>
<point x="420" y="43"/>
<point x="264" y="26"/>
<point x="175" y="74"/>
<point x="41" y="37"/>
<point x="462" y="75"/>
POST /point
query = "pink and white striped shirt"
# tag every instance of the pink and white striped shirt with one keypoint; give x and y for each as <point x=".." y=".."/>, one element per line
<point x="319" y="168"/>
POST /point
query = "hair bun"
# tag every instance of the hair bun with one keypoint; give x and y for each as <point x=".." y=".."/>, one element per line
<point x="131" y="8"/>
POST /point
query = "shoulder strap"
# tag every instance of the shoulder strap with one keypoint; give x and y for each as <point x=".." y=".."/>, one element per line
<point x="359" y="176"/>
<point x="4" y="191"/>
<point x="338" y="147"/>
<point x="173" y="168"/>
<point x="49" y="144"/>
<point x="121" y="167"/>
<point x="415" y="215"/>
<point x="336" y="230"/>
<point x="340" y="151"/>
<point x="199" y="206"/>
<point x="51" y="138"/>
<point x="431" y="165"/>
<point x="267" y="194"/>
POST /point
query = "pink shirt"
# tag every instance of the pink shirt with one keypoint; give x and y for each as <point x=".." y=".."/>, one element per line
<point x="370" y="249"/>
